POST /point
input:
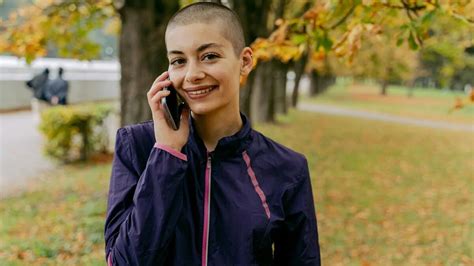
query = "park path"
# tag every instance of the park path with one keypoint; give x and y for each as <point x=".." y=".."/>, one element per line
<point x="22" y="161"/>
<point x="333" y="110"/>
<point x="21" y="158"/>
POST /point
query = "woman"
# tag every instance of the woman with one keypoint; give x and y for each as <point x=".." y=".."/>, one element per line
<point x="215" y="191"/>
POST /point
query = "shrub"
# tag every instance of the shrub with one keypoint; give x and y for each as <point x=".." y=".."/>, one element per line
<point x="75" y="132"/>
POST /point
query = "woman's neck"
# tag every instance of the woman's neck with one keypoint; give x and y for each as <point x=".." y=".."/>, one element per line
<point x="213" y="127"/>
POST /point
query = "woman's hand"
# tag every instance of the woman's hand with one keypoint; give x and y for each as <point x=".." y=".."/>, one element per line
<point x="164" y="134"/>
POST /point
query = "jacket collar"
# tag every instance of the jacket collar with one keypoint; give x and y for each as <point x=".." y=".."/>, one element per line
<point x="226" y="146"/>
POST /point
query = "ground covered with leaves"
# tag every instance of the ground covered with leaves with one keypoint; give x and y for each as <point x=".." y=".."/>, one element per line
<point x="385" y="194"/>
<point x="424" y="103"/>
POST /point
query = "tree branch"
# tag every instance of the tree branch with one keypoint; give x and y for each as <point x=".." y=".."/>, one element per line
<point x="344" y="18"/>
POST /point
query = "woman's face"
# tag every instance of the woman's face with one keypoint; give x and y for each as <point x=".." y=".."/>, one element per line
<point x="204" y="68"/>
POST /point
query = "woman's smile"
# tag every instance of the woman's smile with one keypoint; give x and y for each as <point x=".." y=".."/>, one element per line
<point x="199" y="92"/>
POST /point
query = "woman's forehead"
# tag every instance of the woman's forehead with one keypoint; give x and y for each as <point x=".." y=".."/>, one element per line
<point x="194" y="36"/>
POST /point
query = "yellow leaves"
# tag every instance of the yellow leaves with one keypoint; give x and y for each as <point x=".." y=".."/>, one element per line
<point x="373" y="29"/>
<point x="354" y="38"/>
<point x="317" y="15"/>
<point x="318" y="55"/>
<point x="31" y="29"/>
<point x="84" y="11"/>
<point x="284" y="50"/>
<point x="24" y="35"/>
<point x="113" y="26"/>
<point x="72" y="7"/>
<point x="430" y="6"/>
<point x="312" y="14"/>
<point x="459" y="103"/>
<point x="280" y="34"/>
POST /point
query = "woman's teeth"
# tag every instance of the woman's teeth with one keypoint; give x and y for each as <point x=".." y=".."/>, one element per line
<point x="200" y="91"/>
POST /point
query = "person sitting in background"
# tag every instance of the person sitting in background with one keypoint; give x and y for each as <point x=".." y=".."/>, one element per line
<point x="39" y="85"/>
<point x="57" y="89"/>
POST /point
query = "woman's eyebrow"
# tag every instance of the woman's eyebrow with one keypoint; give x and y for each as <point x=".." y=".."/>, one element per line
<point x="175" y="52"/>
<point x="207" y="45"/>
<point x="199" y="49"/>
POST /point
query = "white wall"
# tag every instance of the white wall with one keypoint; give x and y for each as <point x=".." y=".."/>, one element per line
<point x="88" y="80"/>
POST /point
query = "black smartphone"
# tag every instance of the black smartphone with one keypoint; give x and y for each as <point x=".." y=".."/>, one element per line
<point x="172" y="106"/>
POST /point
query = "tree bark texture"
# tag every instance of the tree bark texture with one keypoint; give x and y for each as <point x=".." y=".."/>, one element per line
<point x="280" y="71"/>
<point x="142" y="53"/>
<point x="254" y="19"/>
<point x="320" y="83"/>
<point x="300" y="66"/>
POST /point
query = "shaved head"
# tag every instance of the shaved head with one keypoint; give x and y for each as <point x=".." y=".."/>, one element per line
<point x="207" y="13"/>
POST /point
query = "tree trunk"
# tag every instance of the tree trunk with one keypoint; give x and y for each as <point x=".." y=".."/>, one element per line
<point x="383" y="89"/>
<point x="254" y="18"/>
<point x="142" y="53"/>
<point x="280" y="79"/>
<point x="320" y="83"/>
<point x="246" y="94"/>
<point x="263" y="92"/>
<point x="299" y="71"/>
<point x="269" y="88"/>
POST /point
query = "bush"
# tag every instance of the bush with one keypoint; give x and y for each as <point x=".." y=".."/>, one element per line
<point x="75" y="132"/>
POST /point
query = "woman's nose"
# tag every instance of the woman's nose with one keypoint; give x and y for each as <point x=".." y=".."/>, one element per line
<point x="194" y="73"/>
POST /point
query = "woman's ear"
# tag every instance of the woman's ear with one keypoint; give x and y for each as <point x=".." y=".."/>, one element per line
<point x="246" y="61"/>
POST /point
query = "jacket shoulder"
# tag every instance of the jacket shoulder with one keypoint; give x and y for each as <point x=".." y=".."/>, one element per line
<point x="141" y="139"/>
<point x="277" y="158"/>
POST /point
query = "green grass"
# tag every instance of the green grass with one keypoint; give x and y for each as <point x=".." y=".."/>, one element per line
<point x="430" y="104"/>
<point x="59" y="222"/>
<point x="385" y="194"/>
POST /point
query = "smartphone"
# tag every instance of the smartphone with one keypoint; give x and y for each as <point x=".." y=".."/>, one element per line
<point x="172" y="106"/>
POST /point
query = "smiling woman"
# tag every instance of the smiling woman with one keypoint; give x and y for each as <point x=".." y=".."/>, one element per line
<point x="214" y="191"/>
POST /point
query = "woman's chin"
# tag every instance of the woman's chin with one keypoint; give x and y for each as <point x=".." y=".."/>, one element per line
<point x="200" y="110"/>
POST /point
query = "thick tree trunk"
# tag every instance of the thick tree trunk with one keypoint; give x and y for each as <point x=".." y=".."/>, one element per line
<point x="262" y="93"/>
<point x="269" y="90"/>
<point x="142" y="53"/>
<point x="254" y="17"/>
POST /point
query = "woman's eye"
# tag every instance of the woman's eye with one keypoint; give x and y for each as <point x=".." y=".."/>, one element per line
<point x="208" y="57"/>
<point x="178" y="61"/>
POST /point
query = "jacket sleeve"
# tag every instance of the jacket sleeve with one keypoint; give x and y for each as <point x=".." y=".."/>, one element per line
<point x="143" y="209"/>
<point x="296" y="241"/>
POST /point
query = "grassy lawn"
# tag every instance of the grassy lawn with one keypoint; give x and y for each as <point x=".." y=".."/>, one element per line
<point x="431" y="104"/>
<point x="385" y="194"/>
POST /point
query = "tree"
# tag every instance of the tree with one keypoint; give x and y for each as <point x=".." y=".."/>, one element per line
<point x="142" y="53"/>
<point x="305" y="35"/>
<point x="330" y="27"/>
<point x="67" y="24"/>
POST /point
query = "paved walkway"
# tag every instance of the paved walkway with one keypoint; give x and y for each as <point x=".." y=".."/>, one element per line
<point x="21" y="157"/>
<point x="328" y="109"/>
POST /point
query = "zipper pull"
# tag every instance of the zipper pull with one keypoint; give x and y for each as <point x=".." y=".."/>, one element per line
<point x="208" y="162"/>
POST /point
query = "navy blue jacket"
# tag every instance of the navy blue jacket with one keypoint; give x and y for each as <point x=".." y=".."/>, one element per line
<point x="248" y="202"/>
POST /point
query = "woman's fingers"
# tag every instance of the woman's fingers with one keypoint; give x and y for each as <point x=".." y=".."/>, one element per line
<point x="160" y="82"/>
<point x="161" y="77"/>
<point x="155" y="100"/>
<point x="157" y="86"/>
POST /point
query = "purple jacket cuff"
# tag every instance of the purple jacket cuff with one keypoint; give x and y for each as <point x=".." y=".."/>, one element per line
<point x="172" y="151"/>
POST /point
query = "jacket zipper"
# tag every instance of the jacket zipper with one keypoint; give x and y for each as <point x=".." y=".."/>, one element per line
<point x="207" y="211"/>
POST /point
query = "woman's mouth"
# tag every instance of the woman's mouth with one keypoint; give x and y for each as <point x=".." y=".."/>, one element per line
<point x="200" y="93"/>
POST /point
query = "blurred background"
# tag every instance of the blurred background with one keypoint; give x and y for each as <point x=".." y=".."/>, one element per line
<point x="377" y="94"/>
